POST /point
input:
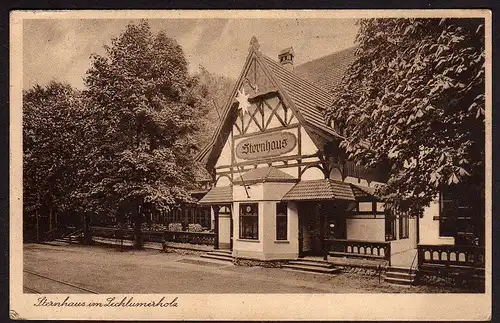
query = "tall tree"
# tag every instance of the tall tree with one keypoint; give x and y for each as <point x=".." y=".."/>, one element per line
<point x="52" y="143"/>
<point x="146" y="113"/>
<point x="414" y="98"/>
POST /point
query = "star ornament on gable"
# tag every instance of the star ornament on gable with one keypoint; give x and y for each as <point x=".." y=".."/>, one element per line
<point x="242" y="99"/>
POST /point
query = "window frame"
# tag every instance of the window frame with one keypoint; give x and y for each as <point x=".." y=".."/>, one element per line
<point x="404" y="225"/>
<point x="280" y="217"/>
<point x="389" y="216"/>
<point x="242" y="221"/>
<point x="450" y="219"/>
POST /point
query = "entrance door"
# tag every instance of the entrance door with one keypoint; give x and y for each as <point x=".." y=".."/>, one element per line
<point x="311" y="231"/>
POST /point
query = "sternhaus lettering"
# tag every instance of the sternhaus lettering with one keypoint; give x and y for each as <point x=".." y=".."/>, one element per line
<point x="266" y="145"/>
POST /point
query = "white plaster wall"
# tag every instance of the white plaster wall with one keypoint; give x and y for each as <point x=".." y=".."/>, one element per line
<point x="294" y="171"/>
<point x="312" y="173"/>
<point x="429" y="228"/>
<point x="307" y="145"/>
<point x="276" y="191"/>
<point x="224" y="231"/>
<point x="366" y="229"/>
<point x="336" y="174"/>
<point x="401" y="245"/>
<point x="225" y="156"/>
<point x="223" y="181"/>
<point x="256" y="192"/>
<point x="281" y="249"/>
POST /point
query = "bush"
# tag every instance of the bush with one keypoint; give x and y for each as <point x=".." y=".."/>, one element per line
<point x="175" y="226"/>
<point x="195" y="227"/>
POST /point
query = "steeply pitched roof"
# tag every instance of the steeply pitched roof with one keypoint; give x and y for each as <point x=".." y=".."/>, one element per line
<point x="306" y="96"/>
<point x="327" y="71"/>
<point x="264" y="174"/>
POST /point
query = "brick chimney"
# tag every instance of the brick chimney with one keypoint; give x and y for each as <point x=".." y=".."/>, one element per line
<point x="285" y="57"/>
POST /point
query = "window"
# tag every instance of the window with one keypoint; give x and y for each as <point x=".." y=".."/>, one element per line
<point x="281" y="221"/>
<point x="249" y="221"/>
<point x="404" y="226"/>
<point x="365" y="207"/>
<point x="390" y="226"/>
<point x="448" y="209"/>
<point x="370" y="207"/>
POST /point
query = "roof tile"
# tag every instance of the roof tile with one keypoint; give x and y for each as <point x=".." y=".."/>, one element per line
<point x="327" y="189"/>
<point x="264" y="174"/>
<point x="218" y="195"/>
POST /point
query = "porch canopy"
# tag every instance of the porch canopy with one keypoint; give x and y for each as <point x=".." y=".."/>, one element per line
<point x="218" y="195"/>
<point x="328" y="189"/>
<point x="264" y="174"/>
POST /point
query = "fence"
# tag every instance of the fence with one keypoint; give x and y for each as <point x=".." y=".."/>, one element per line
<point x="358" y="249"/>
<point x="206" y="238"/>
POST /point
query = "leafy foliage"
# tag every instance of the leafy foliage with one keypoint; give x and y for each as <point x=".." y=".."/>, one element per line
<point x="146" y="112"/>
<point x="52" y="147"/>
<point x="414" y="98"/>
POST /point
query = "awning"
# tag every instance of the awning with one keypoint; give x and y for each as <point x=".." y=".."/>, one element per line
<point x="326" y="189"/>
<point x="218" y="195"/>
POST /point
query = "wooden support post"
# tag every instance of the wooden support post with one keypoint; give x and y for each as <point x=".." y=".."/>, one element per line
<point x="216" y="229"/>
<point x="50" y="219"/>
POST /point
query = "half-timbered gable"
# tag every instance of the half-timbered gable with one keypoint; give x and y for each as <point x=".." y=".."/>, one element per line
<point x="278" y="166"/>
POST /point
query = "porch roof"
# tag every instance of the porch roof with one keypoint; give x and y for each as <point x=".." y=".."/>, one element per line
<point x="326" y="189"/>
<point x="218" y="195"/>
<point x="264" y="174"/>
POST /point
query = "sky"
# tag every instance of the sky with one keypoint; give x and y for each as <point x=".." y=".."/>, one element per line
<point x="60" y="49"/>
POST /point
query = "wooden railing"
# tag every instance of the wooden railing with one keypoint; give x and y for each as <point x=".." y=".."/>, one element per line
<point x="50" y="235"/>
<point x="206" y="238"/>
<point x="358" y="249"/>
<point x="451" y="255"/>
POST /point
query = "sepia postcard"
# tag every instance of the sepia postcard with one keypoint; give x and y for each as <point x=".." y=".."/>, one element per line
<point x="250" y="165"/>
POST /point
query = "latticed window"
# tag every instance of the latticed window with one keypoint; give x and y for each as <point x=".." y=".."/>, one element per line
<point x="249" y="221"/>
<point x="281" y="221"/>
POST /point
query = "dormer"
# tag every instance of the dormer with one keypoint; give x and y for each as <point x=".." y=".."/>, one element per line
<point x="285" y="57"/>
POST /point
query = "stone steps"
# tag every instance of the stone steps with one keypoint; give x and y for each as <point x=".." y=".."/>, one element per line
<point x="224" y="255"/>
<point x="399" y="276"/>
<point x="312" y="266"/>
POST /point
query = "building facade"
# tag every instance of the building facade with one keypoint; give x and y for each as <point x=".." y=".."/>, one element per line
<point x="283" y="186"/>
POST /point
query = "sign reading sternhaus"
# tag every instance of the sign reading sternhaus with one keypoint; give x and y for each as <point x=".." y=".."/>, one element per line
<point x="268" y="145"/>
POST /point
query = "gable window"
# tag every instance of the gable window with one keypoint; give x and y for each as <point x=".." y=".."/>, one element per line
<point x="249" y="221"/>
<point x="281" y="221"/>
<point x="404" y="225"/>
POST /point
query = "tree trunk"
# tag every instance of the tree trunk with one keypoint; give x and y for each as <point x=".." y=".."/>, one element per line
<point x="87" y="234"/>
<point x="37" y="226"/>
<point x="138" y="243"/>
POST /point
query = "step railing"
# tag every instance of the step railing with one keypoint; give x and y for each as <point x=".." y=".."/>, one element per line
<point x="372" y="250"/>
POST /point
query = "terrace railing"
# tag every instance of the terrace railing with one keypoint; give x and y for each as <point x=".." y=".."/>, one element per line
<point x="206" y="238"/>
<point x="451" y="255"/>
<point x="455" y="261"/>
<point x="358" y="249"/>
